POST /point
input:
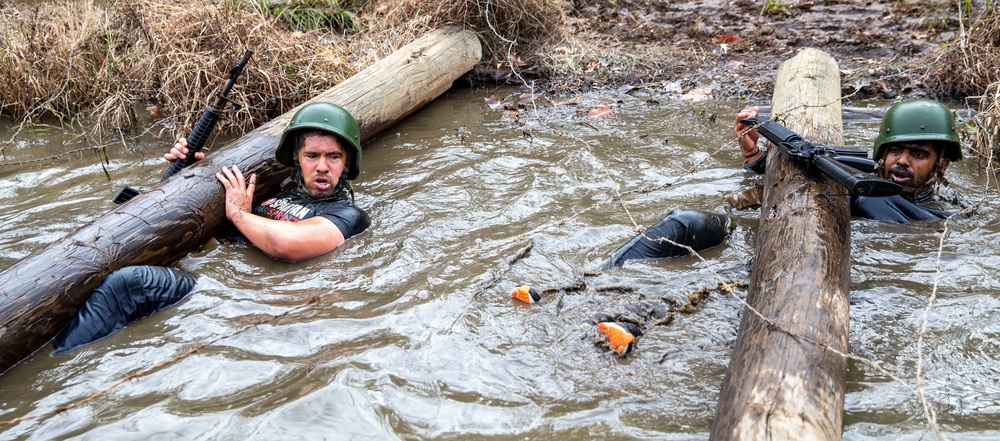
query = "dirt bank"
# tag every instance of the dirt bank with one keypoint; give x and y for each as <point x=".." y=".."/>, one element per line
<point x="735" y="47"/>
<point x="732" y="48"/>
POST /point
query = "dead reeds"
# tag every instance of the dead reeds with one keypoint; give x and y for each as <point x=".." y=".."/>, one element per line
<point x="99" y="64"/>
<point x="986" y="141"/>
<point x="970" y="64"/>
<point x="95" y="65"/>
<point x="506" y="28"/>
<point x="969" y="69"/>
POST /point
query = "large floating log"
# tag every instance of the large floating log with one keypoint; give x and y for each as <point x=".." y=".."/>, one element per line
<point x="783" y="383"/>
<point x="41" y="293"/>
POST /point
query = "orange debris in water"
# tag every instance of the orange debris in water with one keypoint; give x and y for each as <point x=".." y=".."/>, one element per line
<point x="620" y="339"/>
<point x="526" y="293"/>
<point x="600" y="112"/>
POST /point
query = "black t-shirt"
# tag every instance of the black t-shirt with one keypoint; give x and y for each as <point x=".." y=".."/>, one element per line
<point x="294" y="206"/>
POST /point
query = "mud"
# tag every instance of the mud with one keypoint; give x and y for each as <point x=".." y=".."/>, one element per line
<point x="734" y="47"/>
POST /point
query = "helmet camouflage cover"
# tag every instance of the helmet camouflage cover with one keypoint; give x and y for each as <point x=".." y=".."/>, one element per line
<point x="329" y="118"/>
<point x="919" y="120"/>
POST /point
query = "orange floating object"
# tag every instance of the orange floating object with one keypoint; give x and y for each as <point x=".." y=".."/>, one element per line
<point x="526" y="293"/>
<point x="621" y="336"/>
<point x="600" y="112"/>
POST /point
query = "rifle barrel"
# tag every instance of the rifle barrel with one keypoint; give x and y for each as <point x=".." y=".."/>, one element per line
<point x="856" y="181"/>
<point x="206" y="123"/>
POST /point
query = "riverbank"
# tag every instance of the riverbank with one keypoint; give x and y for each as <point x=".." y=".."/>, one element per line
<point x="731" y="50"/>
<point x="114" y="69"/>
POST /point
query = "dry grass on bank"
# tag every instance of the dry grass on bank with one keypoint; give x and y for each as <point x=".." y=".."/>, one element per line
<point x="972" y="62"/>
<point x="506" y="28"/>
<point x="970" y="69"/>
<point x="82" y="63"/>
<point x="986" y="142"/>
<point x="97" y="65"/>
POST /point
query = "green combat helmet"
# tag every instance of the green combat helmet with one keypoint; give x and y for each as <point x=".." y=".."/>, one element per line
<point x="919" y="120"/>
<point x="328" y="118"/>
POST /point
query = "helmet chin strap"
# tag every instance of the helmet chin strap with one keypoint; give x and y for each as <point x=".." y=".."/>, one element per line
<point x="937" y="178"/>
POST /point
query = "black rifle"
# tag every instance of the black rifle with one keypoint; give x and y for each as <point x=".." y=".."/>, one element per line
<point x="839" y="163"/>
<point x="201" y="131"/>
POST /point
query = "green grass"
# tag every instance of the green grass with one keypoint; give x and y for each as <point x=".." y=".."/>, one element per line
<point x="308" y="15"/>
<point x="775" y="7"/>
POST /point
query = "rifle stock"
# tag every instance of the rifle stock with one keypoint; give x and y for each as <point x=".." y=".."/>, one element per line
<point x="826" y="159"/>
<point x="201" y="131"/>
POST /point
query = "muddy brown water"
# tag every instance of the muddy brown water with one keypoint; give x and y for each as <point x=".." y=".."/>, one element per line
<point x="413" y="335"/>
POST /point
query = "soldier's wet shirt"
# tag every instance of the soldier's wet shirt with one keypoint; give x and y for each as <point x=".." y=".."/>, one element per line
<point x="294" y="206"/>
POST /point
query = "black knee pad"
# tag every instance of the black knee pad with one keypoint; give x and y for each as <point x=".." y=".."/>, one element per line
<point x="697" y="229"/>
<point x="123" y="297"/>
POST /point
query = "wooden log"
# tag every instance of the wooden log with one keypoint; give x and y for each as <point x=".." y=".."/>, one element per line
<point x="784" y="382"/>
<point x="42" y="292"/>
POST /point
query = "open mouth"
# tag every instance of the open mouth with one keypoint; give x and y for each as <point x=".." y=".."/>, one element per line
<point x="322" y="183"/>
<point x="900" y="176"/>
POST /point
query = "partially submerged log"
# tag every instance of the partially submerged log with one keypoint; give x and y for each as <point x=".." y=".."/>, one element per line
<point x="784" y="381"/>
<point x="42" y="293"/>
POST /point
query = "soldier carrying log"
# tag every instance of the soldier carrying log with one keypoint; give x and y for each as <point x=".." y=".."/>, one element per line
<point x="916" y="143"/>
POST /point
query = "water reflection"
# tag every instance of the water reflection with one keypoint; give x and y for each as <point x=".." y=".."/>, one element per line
<point x="407" y="331"/>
